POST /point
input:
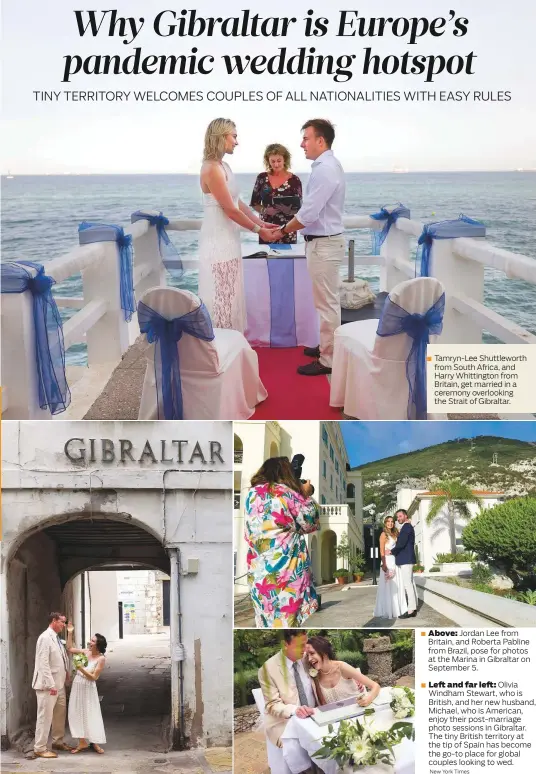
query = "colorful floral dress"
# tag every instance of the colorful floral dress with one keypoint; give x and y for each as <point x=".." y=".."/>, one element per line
<point x="283" y="202"/>
<point x="280" y="575"/>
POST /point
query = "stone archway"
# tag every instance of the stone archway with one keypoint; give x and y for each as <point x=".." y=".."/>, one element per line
<point x="44" y="571"/>
<point x="328" y="555"/>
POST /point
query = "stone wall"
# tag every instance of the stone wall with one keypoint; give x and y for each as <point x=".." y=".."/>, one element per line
<point x="140" y="591"/>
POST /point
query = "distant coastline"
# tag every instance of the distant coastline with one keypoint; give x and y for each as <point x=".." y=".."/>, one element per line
<point x="14" y="174"/>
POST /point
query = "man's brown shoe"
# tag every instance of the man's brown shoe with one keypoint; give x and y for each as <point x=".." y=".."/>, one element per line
<point x="62" y="746"/>
<point x="46" y="754"/>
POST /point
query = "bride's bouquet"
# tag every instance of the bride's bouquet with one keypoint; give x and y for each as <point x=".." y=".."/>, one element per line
<point x="403" y="702"/>
<point x="79" y="659"/>
<point x="357" y="744"/>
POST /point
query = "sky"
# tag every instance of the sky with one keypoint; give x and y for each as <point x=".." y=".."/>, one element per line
<point x="375" y="136"/>
<point x="371" y="441"/>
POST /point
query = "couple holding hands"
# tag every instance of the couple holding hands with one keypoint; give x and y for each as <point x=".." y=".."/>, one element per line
<point x="319" y="219"/>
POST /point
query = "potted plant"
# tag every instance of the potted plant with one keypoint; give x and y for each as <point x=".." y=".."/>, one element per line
<point x="358" y="564"/>
<point x="418" y="568"/>
<point x="341" y="576"/>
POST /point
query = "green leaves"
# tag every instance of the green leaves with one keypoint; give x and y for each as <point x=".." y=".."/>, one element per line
<point x="505" y="536"/>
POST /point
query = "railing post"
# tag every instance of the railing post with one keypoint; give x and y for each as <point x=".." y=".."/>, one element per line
<point x="107" y="340"/>
<point x="458" y="275"/>
<point x="147" y="255"/>
<point x="19" y="373"/>
<point x="396" y="248"/>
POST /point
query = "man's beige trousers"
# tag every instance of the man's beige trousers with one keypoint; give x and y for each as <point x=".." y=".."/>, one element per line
<point x="324" y="258"/>
<point x="51" y="711"/>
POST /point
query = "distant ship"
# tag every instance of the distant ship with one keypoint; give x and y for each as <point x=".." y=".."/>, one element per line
<point x="400" y="170"/>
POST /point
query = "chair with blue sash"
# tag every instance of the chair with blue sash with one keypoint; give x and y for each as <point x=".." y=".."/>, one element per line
<point x="379" y="368"/>
<point x="194" y="371"/>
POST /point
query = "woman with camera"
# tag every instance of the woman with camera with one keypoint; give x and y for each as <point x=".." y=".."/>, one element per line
<point x="280" y="512"/>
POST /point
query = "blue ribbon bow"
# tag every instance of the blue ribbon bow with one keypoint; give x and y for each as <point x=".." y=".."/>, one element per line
<point x="419" y="327"/>
<point x="53" y="390"/>
<point x="379" y="237"/>
<point x="165" y="245"/>
<point x="165" y="334"/>
<point x="446" y="229"/>
<point x="107" y="232"/>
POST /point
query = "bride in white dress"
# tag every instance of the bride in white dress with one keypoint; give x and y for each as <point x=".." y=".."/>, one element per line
<point x="336" y="680"/>
<point x="221" y="283"/>
<point x="84" y="713"/>
<point x="390" y="598"/>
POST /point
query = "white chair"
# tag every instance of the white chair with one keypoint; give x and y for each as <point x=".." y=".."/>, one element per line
<point x="219" y="378"/>
<point x="276" y="761"/>
<point x="369" y="371"/>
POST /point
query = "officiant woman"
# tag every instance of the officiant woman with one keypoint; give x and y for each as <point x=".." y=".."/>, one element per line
<point x="277" y="193"/>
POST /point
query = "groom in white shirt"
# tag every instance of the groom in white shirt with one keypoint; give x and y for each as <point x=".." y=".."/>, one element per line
<point x="320" y="220"/>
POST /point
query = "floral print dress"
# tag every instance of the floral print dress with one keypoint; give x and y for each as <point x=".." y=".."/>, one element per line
<point x="279" y="204"/>
<point x="280" y="574"/>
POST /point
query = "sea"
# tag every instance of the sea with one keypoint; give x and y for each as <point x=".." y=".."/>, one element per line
<point x="40" y="217"/>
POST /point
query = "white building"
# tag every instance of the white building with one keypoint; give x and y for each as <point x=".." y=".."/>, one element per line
<point x="83" y="497"/>
<point x="434" y="539"/>
<point x="337" y="489"/>
<point x="133" y="601"/>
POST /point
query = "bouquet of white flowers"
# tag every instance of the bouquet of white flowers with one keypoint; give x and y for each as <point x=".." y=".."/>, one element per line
<point x="403" y="702"/>
<point x="79" y="659"/>
<point x="355" y="744"/>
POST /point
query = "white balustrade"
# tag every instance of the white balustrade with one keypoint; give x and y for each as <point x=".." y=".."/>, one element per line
<point x="99" y="319"/>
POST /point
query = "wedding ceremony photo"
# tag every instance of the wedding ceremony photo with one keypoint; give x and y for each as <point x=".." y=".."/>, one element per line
<point x="384" y="524"/>
<point x="111" y="534"/>
<point x="324" y="700"/>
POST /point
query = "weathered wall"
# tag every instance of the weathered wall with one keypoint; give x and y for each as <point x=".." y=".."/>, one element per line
<point x="204" y="533"/>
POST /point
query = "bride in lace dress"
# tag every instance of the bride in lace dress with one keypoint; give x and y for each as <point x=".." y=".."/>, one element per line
<point x="336" y="680"/>
<point x="390" y="598"/>
<point x="221" y="283"/>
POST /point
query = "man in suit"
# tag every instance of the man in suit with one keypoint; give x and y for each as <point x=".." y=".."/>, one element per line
<point x="286" y="686"/>
<point x="50" y="674"/>
<point x="405" y="558"/>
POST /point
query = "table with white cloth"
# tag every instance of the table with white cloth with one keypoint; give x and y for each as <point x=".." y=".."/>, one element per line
<point x="279" y="298"/>
<point x="302" y="738"/>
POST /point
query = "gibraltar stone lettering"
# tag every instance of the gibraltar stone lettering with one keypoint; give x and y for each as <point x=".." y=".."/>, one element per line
<point x="123" y="450"/>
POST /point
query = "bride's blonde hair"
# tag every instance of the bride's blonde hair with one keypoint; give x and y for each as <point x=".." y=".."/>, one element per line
<point x="393" y="532"/>
<point x="215" y="136"/>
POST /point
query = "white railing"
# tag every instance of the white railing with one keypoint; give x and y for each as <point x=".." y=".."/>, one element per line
<point x="335" y="511"/>
<point x="99" y="320"/>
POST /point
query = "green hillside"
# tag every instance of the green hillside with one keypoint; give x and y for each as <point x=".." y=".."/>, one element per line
<point x="472" y="462"/>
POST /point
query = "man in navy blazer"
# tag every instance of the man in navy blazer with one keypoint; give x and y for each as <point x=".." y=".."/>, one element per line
<point x="404" y="553"/>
